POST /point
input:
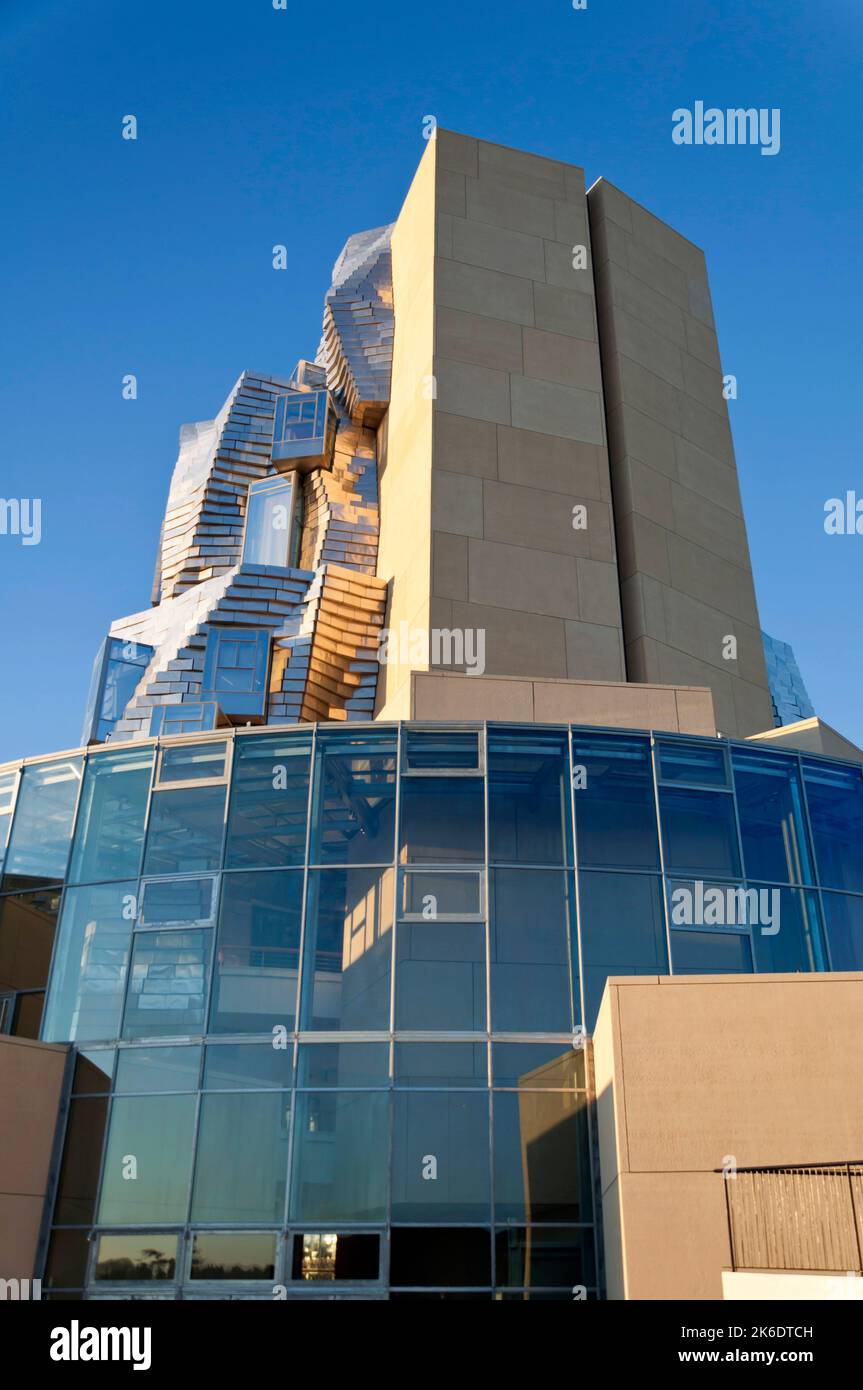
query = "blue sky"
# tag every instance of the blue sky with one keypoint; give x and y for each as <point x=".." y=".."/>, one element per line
<point x="259" y="126"/>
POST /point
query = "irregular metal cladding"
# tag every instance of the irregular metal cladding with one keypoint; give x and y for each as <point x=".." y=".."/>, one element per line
<point x="202" y="534"/>
<point x="357" y="342"/>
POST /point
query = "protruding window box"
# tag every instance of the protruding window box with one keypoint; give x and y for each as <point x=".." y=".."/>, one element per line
<point x="304" y="431"/>
<point x="235" y="672"/>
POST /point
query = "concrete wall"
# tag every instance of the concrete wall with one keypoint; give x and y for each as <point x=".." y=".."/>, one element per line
<point x="31" y="1077"/>
<point x="686" y="579"/>
<point x="692" y="1070"/>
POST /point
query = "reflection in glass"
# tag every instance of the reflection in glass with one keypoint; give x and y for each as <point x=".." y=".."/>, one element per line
<point x="177" y="902"/>
<point x="698" y="764"/>
<point x="440" y="1156"/>
<point x="185" y="834"/>
<point x="328" y="1257"/>
<point x="615" y="811"/>
<point x="443" y="820"/>
<point x="233" y="1255"/>
<point x="441" y="894"/>
<point x="7" y="801"/>
<point x="530" y="911"/>
<point x="109" y="835"/>
<point x="834" y="795"/>
<point x="193" y="762"/>
<point x="88" y="980"/>
<point x="140" y="1257"/>
<point x="542" y="1257"/>
<point x="772" y="822"/>
<point x="528" y="789"/>
<point x="353" y="806"/>
<point x="346" y="956"/>
<point x="271" y="537"/>
<point x="456" y="1064"/>
<point x="538" y="1066"/>
<point x="440" y="975"/>
<point x="622" y="931"/>
<point x="167" y="984"/>
<point x="343" y="1064"/>
<point x="42" y="828"/>
<point x="844" y="916"/>
<point x="248" y="1066"/>
<point x="792" y="940"/>
<point x="699" y="833"/>
<point x="143" y="1069"/>
<point x="257" y="953"/>
<point x="269" y="800"/>
<point x="148" y="1160"/>
<point x="242" y="1181"/>
<point x="541" y="1156"/>
<point x="710" y="953"/>
<point x="428" y="750"/>
<point x="341" y="1158"/>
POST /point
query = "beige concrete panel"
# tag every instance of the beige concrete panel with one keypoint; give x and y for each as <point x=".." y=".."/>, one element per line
<point x="451" y="195"/>
<point x="568" y="411"/>
<point x="445" y="696"/>
<point x="608" y="246"/>
<point x="752" y="704"/>
<point x="642" y="658"/>
<point x="707" y="428"/>
<point x="570" y="224"/>
<point x="598" y="592"/>
<point x="493" y="199"/>
<point x="474" y="338"/>
<point x="610" y="203"/>
<point x="606" y="703"/>
<point x="465" y="389"/>
<point x="711" y="579"/>
<point x="703" y="383"/>
<point x="449" y="568"/>
<point x="701" y="342"/>
<point x="660" y="274"/>
<point x="528" y="173"/>
<point x="480" y="291"/>
<point x="463" y="445"/>
<point x="700" y="305"/>
<point x="594" y="653"/>
<point x="559" y="268"/>
<point x="456" y="152"/>
<point x="648" y="348"/>
<point x="649" y="393"/>
<point x="516" y="644"/>
<point x="615" y="1268"/>
<point x="619" y="290"/>
<point x="681" y="668"/>
<point x="675" y="1235"/>
<point x="638" y="488"/>
<point x="524" y="515"/>
<point x="525" y="579"/>
<point x="695" y="713"/>
<point x="812" y="736"/>
<point x="569" y="311"/>
<point x="642" y="547"/>
<point x="664" y="241"/>
<point x="554" y="464"/>
<point x="702" y="473"/>
<point x="443" y="234"/>
<point x="557" y="357"/>
<point x="632" y="432"/>
<point x="641" y="601"/>
<point x="610" y="1110"/>
<point x="498" y="248"/>
<point x="456" y="503"/>
<point x="711" y="526"/>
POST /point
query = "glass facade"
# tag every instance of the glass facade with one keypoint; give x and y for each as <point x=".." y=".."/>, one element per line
<point x="329" y="985"/>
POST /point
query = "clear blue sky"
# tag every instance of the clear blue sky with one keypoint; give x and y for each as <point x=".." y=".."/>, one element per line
<point x="259" y="126"/>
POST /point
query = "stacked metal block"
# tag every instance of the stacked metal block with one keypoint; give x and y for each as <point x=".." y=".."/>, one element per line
<point x="788" y="691"/>
<point x="357" y="343"/>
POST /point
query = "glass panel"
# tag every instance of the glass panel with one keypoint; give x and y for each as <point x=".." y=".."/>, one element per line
<point x="123" y="664"/>
<point x="537" y="1066"/>
<point x="844" y="916"/>
<point x="269" y="801"/>
<point x="234" y="1254"/>
<point x="442" y="820"/>
<point x="140" y="1257"/>
<point x="268" y="523"/>
<point x="443" y="1257"/>
<point x="157" y="1069"/>
<point x="67" y="1260"/>
<point x="710" y="953"/>
<point x="541" y="1156"/>
<point x="530" y="913"/>
<point x="699" y="833"/>
<point x="252" y="1066"/>
<point x="353" y="810"/>
<point x="42" y="828"/>
<point x="191" y="762"/>
<point x="622" y="931"/>
<point x="344" y="1064"/>
<point x="835" y="798"/>
<point x="177" y="902"/>
<point x="346" y="955"/>
<point x="185" y="835"/>
<point x="696" y="903"/>
<point x="698" y="764"/>
<point x="790" y="937"/>
<point x="93" y="1071"/>
<point x="109" y="836"/>
<point x="328" y="1257"/>
<point x="440" y="975"/>
<point x="529" y="806"/>
<point x="440" y="1156"/>
<point x="27" y="924"/>
<point x="82" y="1153"/>
<point x="235" y="669"/>
<point x="168" y="984"/>
<point x="148" y="1160"/>
<point x="341" y="1156"/>
<point x="437" y="895"/>
<point x="242" y="1182"/>
<point x="543" y="1257"/>
<point x="193" y="718"/>
<point x="772" y="822"/>
<point x="258" y="951"/>
<point x="456" y="1064"/>
<point x="427" y="749"/>
<point x="88" y="981"/>
<point x="615" y="812"/>
<point x="7" y="800"/>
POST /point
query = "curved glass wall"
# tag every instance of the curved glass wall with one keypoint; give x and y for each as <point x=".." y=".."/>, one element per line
<point x="329" y="985"/>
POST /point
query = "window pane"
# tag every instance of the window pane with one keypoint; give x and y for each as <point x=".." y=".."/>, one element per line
<point x="622" y="931"/>
<point x="27" y="924"/>
<point x="177" y="902"/>
<point x="844" y="916"/>
<point x="542" y="1157"/>
<point x="242" y="1181"/>
<point x="440" y="975"/>
<point x="530" y="912"/>
<point x="42" y="828"/>
<point x="346" y="955"/>
<point x="140" y="1257"/>
<point x="454" y="1064"/>
<point x="256" y="1066"/>
<point x="258" y="952"/>
<point x="168" y="984"/>
<point x="529" y="806"/>
<point x="344" y="1064"/>
<point x="109" y="836"/>
<point x="615" y="812"/>
<point x="537" y="1066"/>
<point x="772" y="824"/>
<point x="440" y="1156"/>
<point x="792" y="939"/>
<point x="268" y="524"/>
<point x="190" y="762"/>
<point x="269" y="800"/>
<point x="697" y="764"/>
<point x="341" y="1156"/>
<point x="427" y="749"/>
<point x="157" y="1069"/>
<point x="185" y="835"/>
<point x="234" y="1255"/>
<point x="354" y="800"/>
<point x="710" y="953"/>
<point x="439" y="1257"/>
<point x="82" y="1154"/>
<point x="542" y="1257"/>
<point x="329" y="1257"/>
<point x="437" y="894"/>
<point x="93" y="1071"/>
<point x="699" y="833"/>
<point x="88" y="981"/>
<point x="835" y="798"/>
<point x="442" y="820"/>
<point x="67" y="1260"/>
<point x="148" y="1160"/>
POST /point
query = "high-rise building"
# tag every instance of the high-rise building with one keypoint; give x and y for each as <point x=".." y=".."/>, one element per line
<point x="450" y="704"/>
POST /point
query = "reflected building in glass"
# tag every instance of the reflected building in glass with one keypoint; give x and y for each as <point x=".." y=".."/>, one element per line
<point x="322" y="934"/>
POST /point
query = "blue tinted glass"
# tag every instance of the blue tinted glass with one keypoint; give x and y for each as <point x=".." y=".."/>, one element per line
<point x="835" y="798"/>
<point x="269" y="802"/>
<point x="193" y="762"/>
<point x="258" y="952"/>
<point x="440" y="975"/>
<point x="699" y="833"/>
<point x="440" y="1157"/>
<point x="88" y="980"/>
<point x="186" y="827"/>
<point x="121" y="681"/>
<point x="700" y="903"/>
<point x="353" y="805"/>
<point x="42" y="827"/>
<point x="710" y="953"/>
<point x="343" y="1065"/>
<point x="541" y="1156"/>
<point x="168" y="984"/>
<point x="268" y="524"/>
<point x="340" y="1156"/>
<point x="427" y="749"/>
<point x="789" y="938"/>
<point x="844" y="917"/>
<point x="772" y="823"/>
<point x="530" y="918"/>
<point x="697" y="764"/>
<point x="154" y="1069"/>
<point x="443" y="820"/>
<point x="156" y="1132"/>
<point x="109" y="836"/>
<point x="615" y="812"/>
<point x="242" y="1181"/>
<point x="249" y="1066"/>
<point x="346" y="952"/>
<point x="622" y="931"/>
<point x="529" y="805"/>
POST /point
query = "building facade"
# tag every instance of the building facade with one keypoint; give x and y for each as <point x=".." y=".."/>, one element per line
<point x="446" y="709"/>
